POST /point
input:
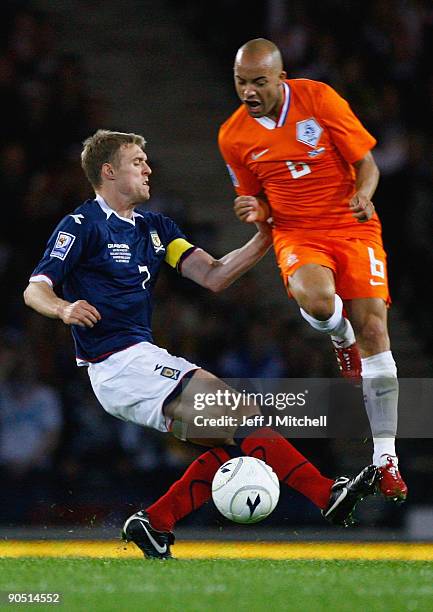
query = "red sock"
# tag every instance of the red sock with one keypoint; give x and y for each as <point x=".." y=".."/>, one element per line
<point x="188" y="493"/>
<point x="193" y="489"/>
<point x="290" y="465"/>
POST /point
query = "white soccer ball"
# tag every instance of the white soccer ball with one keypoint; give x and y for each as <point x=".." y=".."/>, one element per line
<point x="245" y="490"/>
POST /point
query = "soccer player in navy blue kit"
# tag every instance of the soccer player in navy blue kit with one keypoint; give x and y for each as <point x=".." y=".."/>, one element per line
<point x="106" y="256"/>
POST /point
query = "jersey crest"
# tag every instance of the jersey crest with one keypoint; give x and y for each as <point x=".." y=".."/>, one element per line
<point x="62" y="246"/>
<point x="308" y="132"/>
<point x="156" y="241"/>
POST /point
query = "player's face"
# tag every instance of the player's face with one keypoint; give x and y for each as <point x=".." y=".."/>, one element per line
<point x="132" y="173"/>
<point x="259" y="86"/>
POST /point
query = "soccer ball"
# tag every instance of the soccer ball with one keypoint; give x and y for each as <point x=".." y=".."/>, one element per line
<point x="245" y="490"/>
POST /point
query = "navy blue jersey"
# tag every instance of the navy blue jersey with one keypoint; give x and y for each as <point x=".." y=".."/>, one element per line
<point x="113" y="263"/>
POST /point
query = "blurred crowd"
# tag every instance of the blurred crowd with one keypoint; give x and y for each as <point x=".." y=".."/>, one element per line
<point x="62" y="458"/>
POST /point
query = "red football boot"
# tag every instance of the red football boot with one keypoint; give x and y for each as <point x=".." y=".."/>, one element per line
<point x="348" y="359"/>
<point x="390" y="483"/>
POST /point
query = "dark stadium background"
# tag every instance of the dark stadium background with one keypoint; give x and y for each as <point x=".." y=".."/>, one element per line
<point x="164" y="69"/>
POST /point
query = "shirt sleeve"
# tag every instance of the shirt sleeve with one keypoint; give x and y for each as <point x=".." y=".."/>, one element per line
<point x="244" y="181"/>
<point x="169" y="234"/>
<point x="63" y="251"/>
<point x="347" y="132"/>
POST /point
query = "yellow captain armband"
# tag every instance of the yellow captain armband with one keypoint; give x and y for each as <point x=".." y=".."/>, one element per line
<point x="176" y="249"/>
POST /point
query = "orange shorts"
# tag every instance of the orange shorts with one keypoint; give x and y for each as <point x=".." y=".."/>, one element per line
<point x="359" y="265"/>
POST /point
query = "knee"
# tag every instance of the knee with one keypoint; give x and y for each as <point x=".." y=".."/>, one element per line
<point x="248" y="409"/>
<point x="320" y="305"/>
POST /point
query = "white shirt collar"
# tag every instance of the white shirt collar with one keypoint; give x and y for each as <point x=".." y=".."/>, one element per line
<point x="109" y="211"/>
<point x="269" y="123"/>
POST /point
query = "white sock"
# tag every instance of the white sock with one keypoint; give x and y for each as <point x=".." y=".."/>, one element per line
<point x="382" y="448"/>
<point x="337" y="325"/>
<point x="330" y="324"/>
<point x="380" y="388"/>
<point x="381" y="364"/>
<point x="344" y="335"/>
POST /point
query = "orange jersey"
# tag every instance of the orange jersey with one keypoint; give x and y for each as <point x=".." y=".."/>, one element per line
<point x="302" y="162"/>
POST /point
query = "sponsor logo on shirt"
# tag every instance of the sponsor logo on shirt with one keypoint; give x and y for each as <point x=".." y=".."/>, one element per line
<point x="308" y="132"/>
<point x="255" y="156"/>
<point x="167" y="372"/>
<point x="156" y="241"/>
<point x="62" y="246"/>
<point x="77" y="218"/>
<point x="119" y="252"/>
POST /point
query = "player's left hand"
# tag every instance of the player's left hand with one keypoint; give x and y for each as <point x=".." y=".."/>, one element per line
<point x="362" y="207"/>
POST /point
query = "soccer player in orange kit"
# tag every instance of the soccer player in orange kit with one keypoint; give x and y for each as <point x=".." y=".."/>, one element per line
<point x="294" y="149"/>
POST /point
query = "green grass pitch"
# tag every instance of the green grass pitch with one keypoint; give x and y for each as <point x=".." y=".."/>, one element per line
<point x="221" y="585"/>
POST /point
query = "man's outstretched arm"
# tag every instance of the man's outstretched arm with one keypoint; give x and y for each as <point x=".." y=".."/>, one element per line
<point x="218" y="274"/>
<point x="42" y="298"/>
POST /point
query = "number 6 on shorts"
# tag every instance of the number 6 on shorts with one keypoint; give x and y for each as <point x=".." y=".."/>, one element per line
<point x="377" y="267"/>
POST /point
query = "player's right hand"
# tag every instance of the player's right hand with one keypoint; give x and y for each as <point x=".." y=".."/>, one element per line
<point x="79" y="313"/>
<point x="250" y="210"/>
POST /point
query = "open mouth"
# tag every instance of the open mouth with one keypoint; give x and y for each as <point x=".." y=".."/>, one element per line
<point x="254" y="106"/>
<point x="252" y="103"/>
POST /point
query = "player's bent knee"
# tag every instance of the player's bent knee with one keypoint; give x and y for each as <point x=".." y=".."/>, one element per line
<point x="321" y="308"/>
<point x="247" y="410"/>
<point x="203" y="434"/>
